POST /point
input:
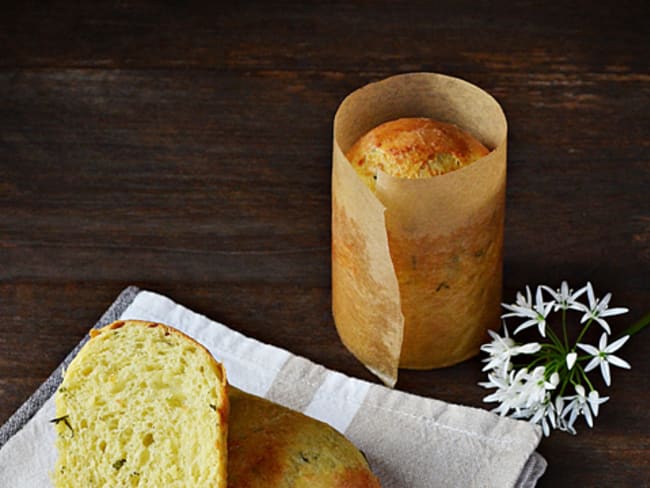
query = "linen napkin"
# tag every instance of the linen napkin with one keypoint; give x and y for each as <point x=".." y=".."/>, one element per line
<point x="410" y="441"/>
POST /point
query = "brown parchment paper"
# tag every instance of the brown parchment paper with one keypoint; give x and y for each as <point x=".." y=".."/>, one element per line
<point x="417" y="266"/>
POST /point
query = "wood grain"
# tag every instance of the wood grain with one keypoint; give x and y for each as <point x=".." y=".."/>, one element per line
<point x="186" y="149"/>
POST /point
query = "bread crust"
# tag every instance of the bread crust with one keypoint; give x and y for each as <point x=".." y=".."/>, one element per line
<point x="413" y="147"/>
<point x="271" y="446"/>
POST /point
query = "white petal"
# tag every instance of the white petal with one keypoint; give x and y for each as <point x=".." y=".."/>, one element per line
<point x="603" y="324"/>
<point x="587" y="413"/>
<point x="602" y="305"/>
<point x="529" y="296"/>
<point x="550" y="290"/>
<point x="602" y="343"/>
<point x="617" y="344"/>
<point x="580" y="307"/>
<point x="572" y="418"/>
<point x="539" y="299"/>
<point x="525" y="325"/>
<point x="595" y="401"/>
<point x="541" y="326"/>
<point x="614" y="311"/>
<point x="604" y="369"/>
<point x="519" y="310"/>
<point x="548" y="308"/>
<point x="564" y="288"/>
<point x="588" y="348"/>
<point x="592" y="364"/>
<point x="580" y="390"/>
<point x="616" y="361"/>
<point x="586" y="316"/>
<point x="590" y="295"/>
<point x="491" y="398"/>
<point x="571" y="360"/>
<point x="493" y="334"/>
<point x="555" y="379"/>
<point x="530" y="348"/>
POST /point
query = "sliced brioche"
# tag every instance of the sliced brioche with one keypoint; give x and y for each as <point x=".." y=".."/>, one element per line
<point x="141" y="405"/>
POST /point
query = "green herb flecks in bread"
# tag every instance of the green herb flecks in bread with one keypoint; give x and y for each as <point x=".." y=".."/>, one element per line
<point x="141" y="405"/>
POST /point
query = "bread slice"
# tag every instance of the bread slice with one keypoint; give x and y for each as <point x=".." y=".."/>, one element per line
<point x="141" y="405"/>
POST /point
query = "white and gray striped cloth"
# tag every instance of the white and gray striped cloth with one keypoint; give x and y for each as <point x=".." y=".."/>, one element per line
<point x="410" y="441"/>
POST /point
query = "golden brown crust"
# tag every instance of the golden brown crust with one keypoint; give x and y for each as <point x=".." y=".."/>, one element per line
<point x="272" y="447"/>
<point x="413" y="148"/>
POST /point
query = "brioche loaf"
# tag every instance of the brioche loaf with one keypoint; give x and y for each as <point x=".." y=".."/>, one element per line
<point x="141" y="405"/>
<point x="413" y="148"/>
<point x="270" y="446"/>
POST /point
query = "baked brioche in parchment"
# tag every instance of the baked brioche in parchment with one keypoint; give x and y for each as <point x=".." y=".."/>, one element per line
<point x="448" y="283"/>
<point x="141" y="405"/>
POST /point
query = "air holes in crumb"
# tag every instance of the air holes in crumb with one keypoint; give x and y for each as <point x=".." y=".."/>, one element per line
<point x="87" y="370"/>
<point x="147" y="440"/>
<point x="176" y="401"/>
<point x="144" y="457"/>
<point x="102" y="446"/>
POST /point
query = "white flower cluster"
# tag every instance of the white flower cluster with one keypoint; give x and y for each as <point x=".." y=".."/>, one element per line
<point x="547" y="382"/>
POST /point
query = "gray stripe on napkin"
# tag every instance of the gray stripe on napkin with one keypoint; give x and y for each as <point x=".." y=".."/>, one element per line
<point x="47" y="389"/>
<point x="532" y="472"/>
<point x="296" y="371"/>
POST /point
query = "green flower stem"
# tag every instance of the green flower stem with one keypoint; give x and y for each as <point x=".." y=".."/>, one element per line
<point x="568" y="379"/>
<point x="564" y="331"/>
<point x="554" y="338"/>
<point x="584" y="375"/>
<point x="638" y="326"/>
<point x="584" y="329"/>
<point x="552" y="347"/>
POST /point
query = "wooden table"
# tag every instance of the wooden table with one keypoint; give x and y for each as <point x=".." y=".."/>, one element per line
<point x="187" y="151"/>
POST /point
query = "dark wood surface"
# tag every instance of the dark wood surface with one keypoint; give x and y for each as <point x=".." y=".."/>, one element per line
<point x="187" y="150"/>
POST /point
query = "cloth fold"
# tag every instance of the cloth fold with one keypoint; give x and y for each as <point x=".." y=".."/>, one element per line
<point x="410" y="441"/>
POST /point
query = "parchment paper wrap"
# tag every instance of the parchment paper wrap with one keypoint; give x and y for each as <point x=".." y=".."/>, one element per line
<point x="417" y="267"/>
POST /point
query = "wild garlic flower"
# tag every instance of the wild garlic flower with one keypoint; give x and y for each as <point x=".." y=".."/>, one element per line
<point x="501" y="349"/>
<point x="533" y="380"/>
<point x="603" y="357"/>
<point x="583" y="404"/>
<point x="564" y="297"/>
<point x="598" y="309"/>
<point x="534" y="313"/>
